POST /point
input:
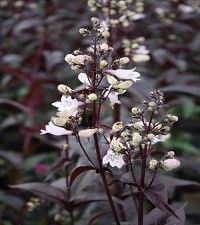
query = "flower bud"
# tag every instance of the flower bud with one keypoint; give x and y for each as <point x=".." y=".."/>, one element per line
<point x="124" y="60"/>
<point x="150" y="136"/>
<point x="171" y="154"/>
<point x="59" y="121"/>
<point x="92" y="97"/>
<point x="104" y="47"/>
<point x="152" y="164"/>
<point x="117" y="126"/>
<point x="152" y="104"/>
<point x="136" y="111"/>
<point x="136" y="139"/>
<point x="64" y="89"/>
<point x="69" y="58"/>
<point x="123" y="85"/>
<point x="103" y="63"/>
<point x="87" y="132"/>
<point x="105" y="34"/>
<point x="83" y="31"/>
<point x="170" y="164"/>
<point x="111" y="80"/>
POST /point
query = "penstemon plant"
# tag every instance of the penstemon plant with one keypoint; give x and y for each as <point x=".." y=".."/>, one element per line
<point x="131" y="146"/>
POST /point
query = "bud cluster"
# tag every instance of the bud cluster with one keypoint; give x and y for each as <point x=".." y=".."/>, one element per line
<point x="136" y="50"/>
<point x="119" y="12"/>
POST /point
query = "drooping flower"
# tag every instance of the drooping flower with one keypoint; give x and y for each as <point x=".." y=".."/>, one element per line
<point x="55" y="130"/>
<point x="114" y="159"/>
<point x="68" y="105"/>
<point x="125" y="74"/>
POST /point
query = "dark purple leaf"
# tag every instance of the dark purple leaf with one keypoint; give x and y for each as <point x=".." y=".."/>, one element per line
<point x="96" y="216"/>
<point x="12" y="157"/>
<point x="45" y="191"/>
<point x="77" y="171"/>
<point x="155" y="195"/>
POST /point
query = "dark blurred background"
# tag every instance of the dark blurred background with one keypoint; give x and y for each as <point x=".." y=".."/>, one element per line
<point x="34" y="38"/>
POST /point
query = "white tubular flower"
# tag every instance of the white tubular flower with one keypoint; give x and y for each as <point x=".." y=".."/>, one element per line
<point x="113" y="96"/>
<point x="114" y="159"/>
<point x="83" y="78"/>
<point x="87" y="132"/>
<point x="152" y="164"/>
<point x="125" y="74"/>
<point x="55" y="130"/>
<point x="68" y="105"/>
<point x="170" y="164"/>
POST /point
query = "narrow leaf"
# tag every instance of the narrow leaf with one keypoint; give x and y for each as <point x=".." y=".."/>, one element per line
<point x="76" y="172"/>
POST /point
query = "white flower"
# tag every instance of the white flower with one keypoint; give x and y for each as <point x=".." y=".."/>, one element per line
<point x="170" y="164"/>
<point x="84" y="79"/>
<point x="114" y="159"/>
<point x="125" y="74"/>
<point x="55" y="130"/>
<point x="142" y="50"/>
<point x="87" y="132"/>
<point x="68" y="105"/>
<point x="113" y="96"/>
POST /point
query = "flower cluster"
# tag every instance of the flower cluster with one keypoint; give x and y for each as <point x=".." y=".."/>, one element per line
<point x="136" y="50"/>
<point x="118" y="12"/>
<point x="148" y="126"/>
<point x="100" y="71"/>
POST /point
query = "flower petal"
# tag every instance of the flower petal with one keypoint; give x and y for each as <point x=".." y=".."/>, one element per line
<point x="55" y="130"/>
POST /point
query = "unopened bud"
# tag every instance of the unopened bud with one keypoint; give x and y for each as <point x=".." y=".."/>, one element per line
<point x="59" y="121"/>
<point x="170" y="164"/>
<point x="152" y="164"/>
<point x="117" y="126"/>
<point x="64" y="89"/>
<point x="92" y="97"/>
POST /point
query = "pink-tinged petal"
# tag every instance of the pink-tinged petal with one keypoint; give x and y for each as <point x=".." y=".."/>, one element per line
<point x="125" y="74"/>
<point x="55" y="130"/>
